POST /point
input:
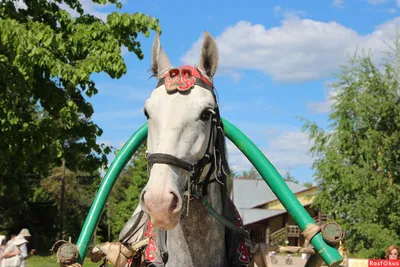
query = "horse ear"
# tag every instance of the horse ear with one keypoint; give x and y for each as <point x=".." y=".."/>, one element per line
<point x="160" y="62"/>
<point x="208" y="56"/>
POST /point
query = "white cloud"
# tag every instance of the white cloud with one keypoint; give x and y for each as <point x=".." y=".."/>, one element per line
<point x="398" y="3"/>
<point x="388" y="10"/>
<point x="20" y="4"/>
<point x="237" y="161"/>
<point x="288" y="13"/>
<point x="236" y="76"/>
<point x="124" y="50"/>
<point x="90" y="8"/>
<point x="285" y="146"/>
<point x="298" y="50"/>
<point x="289" y="149"/>
<point x="338" y="3"/>
<point x="391" y="10"/>
<point x="293" y="14"/>
<point x="323" y="106"/>
<point x="277" y="9"/>
<point x="377" y="2"/>
<point x="286" y="151"/>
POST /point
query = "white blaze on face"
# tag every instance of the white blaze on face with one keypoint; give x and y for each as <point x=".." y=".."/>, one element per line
<point x="178" y="126"/>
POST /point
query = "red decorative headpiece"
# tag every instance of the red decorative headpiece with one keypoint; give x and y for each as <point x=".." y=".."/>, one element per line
<point x="184" y="78"/>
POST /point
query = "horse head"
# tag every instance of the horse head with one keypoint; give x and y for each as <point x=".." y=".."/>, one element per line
<point x="183" y="118"/>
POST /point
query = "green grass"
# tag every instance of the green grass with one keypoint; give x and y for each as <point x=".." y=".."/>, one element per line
<point x="42" y="261"/>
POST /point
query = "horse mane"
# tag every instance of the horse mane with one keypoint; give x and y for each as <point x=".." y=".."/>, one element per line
<point x="223" y="169"/>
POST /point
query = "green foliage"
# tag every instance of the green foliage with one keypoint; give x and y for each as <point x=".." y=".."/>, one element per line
<point x="70" y="211"/>
<point x="251" y="174"/>
<point x="358" y="165"/>
<point x="289" y="177"/>
<point x="125" y="195"/>
<point x="308" y="184"/>
<point x="47" y="58"/>
<point x="78" y="196"/>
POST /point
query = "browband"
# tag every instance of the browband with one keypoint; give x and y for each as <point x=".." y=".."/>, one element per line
<point x="184" y="78"/>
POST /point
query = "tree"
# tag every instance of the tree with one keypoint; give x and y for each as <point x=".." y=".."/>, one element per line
<point x="71" y="194"/>
<point x="229" y="181"/>
<point x="358" y="165"/>
<point x="251" y="174"/>
<point x="289" y="177"/>
<point x="46" y="61"/>
<point x="308" y="184"/>
<point x="125" y="195"/>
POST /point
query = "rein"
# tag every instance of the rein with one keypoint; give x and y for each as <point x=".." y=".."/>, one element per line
<point x="183" y="79"/>
<point x="219" y="217"/>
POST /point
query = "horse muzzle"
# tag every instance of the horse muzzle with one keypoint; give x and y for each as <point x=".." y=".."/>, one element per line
<point x="163" y="206"/>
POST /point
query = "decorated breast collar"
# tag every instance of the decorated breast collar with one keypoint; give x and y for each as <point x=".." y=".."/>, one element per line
<point x="183" y="79"/>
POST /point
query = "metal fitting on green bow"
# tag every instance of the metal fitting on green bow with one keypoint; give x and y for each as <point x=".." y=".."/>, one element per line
<point x="332" y="233"/>
<point x="67" y="253"/>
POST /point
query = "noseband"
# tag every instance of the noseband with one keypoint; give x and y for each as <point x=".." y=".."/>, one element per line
<point x="183" y="79"/>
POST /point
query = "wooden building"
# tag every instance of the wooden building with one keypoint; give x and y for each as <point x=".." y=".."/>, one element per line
<point x="264" y="215"/>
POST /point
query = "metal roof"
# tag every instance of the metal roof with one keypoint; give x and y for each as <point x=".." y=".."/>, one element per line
<point x="254" y="215"/>
<point x="250" y="193"/>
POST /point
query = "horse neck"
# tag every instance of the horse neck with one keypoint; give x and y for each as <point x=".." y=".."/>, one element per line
<point x="199" y="239"/>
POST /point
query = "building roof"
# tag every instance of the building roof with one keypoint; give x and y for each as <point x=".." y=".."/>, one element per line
<point x="251" y="193"/>
<point x="254" y="215"/>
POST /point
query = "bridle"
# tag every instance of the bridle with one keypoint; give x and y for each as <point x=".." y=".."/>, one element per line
<point x="183" y="79"/>
<point x="211" y="156"/>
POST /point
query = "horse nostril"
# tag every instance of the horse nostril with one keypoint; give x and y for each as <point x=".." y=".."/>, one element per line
<point x="142" y="202"/>
<point x="142" y="196"/>
<point x="168" y="202"/>
<point x="175" y="204"/>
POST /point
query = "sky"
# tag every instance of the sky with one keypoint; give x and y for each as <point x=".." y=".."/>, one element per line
<point x="277" y="59"/>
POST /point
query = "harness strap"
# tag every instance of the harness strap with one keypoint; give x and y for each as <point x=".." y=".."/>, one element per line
<point x="207" y="181"/>
<point x="203" y="200"/>
<point x="162" y="244"/>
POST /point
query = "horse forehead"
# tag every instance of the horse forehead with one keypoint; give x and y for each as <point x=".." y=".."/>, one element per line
<point x="198" y="97"/>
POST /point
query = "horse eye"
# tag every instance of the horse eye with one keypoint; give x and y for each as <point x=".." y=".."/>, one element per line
<point x="146" y="114"/>
<point x="206" y="115"/>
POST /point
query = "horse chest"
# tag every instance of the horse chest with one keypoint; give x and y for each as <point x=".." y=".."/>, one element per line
<point x="198" y="241"/>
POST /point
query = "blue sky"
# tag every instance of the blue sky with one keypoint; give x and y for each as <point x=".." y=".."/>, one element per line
<point x="276" y="62"/>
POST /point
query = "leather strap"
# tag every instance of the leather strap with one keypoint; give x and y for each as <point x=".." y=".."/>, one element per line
<point x="311" y="230"/>
<point x="169" y="159"/>
<point x="220" y="218"/>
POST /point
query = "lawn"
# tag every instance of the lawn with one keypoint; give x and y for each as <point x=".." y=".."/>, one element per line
<point x="41" y="261"/>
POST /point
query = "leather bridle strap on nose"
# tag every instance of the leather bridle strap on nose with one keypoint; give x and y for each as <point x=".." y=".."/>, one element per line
<point x="194" y="169"/>
<point x="169" y="159"/>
